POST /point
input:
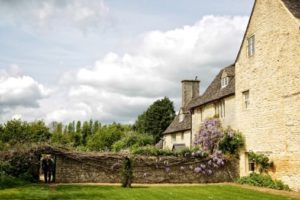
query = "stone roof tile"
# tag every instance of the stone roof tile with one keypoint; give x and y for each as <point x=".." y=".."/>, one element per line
<point x="214" y="90"/>
<point x="177" y="126"/>
<point x="293" y="6"/>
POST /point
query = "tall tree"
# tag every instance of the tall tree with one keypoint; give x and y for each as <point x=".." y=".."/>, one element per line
<point x="96" y="126"/>
<point x="85" y="132"/>
<point x="156" y="118"/>
<point x="78" y="127"/>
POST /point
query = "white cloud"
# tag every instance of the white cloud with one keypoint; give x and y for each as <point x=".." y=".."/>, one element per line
<point x="118" y="87"/>
<point x="19" y="90"/>
<point x="47" y="13"/>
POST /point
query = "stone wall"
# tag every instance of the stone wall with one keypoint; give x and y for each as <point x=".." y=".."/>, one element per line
<point x="271" y="124"/>
<point x="106" y="169"/>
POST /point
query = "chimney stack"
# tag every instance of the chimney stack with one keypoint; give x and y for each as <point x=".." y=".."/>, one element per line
<point x="190" y="90"/>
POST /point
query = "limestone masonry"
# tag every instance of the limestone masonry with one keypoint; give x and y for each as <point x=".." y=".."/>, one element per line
<point x="259" y="94"/>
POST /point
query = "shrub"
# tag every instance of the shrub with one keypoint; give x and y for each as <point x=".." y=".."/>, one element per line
<point x="132" y="140"/>
<point x="151" y="151"/>
<point x="7" y="181"/>
<point x="21" y="166"/>
<point x="263" y="181"/>
<point x="104" y="138"/>
<point x="262" y="161"/>
<point x="126" y="173"/>
<point x="231" y="142"/>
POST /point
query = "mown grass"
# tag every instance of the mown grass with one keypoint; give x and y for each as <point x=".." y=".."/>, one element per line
<point x="77" y="192"/>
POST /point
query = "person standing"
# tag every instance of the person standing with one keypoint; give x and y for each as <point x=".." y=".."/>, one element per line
<point x="45" y="168"/>
<point x="51" y="169"/>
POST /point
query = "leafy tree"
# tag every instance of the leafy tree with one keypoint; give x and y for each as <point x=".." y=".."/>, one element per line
<point x="132" y="140"/>
<point x="15" y="131"/>
<point x="78" y="127"/>
<point x="71" y="128"/>
<point x="105" y="138"/>
<point x="156" y="118"/>
<point x="39" y="131"/>
<point x="85" y="132"/>
<point x="96" y="126"/>
<point x="57" y="134"/>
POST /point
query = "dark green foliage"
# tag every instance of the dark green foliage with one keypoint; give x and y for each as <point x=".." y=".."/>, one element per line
<point x="78" y="127"/>
<point x="156" y="118"/>
<point x="20" y="165"/>
<point x="231" y="142"/>
<point x="96" y="126"/>
<point x="7" y="181"/>
<point x="85" y="132"/>
<point x="132" y="140"/>
<point x="263" y="181"/>
<point x="126" y="173"/>
<point x="262" y="161"/>
<point x="58" y="136"/>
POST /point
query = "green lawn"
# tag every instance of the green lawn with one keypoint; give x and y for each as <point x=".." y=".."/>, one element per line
<point x="216" y="192"/>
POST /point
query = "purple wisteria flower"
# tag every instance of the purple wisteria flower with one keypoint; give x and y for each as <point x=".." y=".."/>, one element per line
<point x="209" y="135"/>
<point x="197" y="170"/>
<point x="168" y="169"/>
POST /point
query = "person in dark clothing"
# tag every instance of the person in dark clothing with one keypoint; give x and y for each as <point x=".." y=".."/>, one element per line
<point x="45" y="167"/>
<point x="51" y="169"/>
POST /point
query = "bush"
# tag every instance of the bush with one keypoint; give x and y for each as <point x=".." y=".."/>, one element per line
<point x="126" y="173"/>
<point x="263" y="181"/>
<point x="132" y="140"/>
<point x="104" y="138"/>
<point x="151" y="151"/>
<point x="231" y="142"/>
<point x="20" y="166"/>
<point x="7" y="181"/>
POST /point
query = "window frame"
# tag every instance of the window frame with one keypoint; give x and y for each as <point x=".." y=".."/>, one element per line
<point x="173" y="138"/>
<point x="220" y="109"/>
<point x="246" y="99"/>
<point x="251" y="46"/>
<point x="224" y="82"/>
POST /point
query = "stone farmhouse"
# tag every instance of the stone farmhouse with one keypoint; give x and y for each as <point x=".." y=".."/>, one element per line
<point x="259" y="94"/>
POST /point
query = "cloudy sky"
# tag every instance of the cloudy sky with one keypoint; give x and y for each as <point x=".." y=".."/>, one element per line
<point x="63" y="60"/>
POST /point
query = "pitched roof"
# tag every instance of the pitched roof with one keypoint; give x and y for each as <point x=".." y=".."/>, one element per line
<point x="293" y="6"/>
<point x="214" y="90"/>
<point x="177" y="126"/>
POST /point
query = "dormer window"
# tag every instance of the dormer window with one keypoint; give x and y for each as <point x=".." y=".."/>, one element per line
<point x="224" y="82"/>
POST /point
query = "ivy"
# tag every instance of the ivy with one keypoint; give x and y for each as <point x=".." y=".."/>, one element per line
<point x="231" y="142"/>
<point x="262" y="161"/>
